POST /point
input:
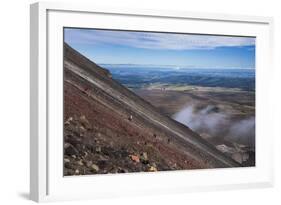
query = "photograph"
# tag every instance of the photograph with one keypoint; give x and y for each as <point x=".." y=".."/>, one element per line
<point x="152" y="101"/>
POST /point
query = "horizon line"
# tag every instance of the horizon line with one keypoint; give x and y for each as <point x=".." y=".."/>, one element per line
<point x="175" y="66"/>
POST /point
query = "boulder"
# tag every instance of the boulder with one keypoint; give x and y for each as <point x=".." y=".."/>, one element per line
<point x="70" y="150"/>
<point x="135" y="158"/>
<point x="95" y="167"/>
<point x="85" y="122"/>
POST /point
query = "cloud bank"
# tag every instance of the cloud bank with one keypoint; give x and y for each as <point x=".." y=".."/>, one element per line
<point x="215" y="123"/>
<point x="148" y="40"/>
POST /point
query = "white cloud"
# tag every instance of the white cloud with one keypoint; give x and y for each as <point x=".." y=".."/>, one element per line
<point x="150" y="40"/>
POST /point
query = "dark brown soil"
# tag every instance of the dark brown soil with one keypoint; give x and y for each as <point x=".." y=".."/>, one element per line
<point x="95" y="134"/>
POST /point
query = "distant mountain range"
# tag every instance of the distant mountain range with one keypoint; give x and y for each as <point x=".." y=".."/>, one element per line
<point x="140" y="77"/>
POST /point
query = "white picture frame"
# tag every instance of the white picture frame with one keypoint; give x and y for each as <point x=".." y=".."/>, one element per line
<point x="46" y="178"/>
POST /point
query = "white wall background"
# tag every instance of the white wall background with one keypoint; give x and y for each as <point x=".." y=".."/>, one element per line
<point x="14" y="101"/>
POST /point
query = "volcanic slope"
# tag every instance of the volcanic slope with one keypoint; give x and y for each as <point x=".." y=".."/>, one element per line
<point x="109" y="129"/>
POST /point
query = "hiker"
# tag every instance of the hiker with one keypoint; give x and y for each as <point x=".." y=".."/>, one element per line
<point x="85" y="90"/>
<point x="131" y="118"/>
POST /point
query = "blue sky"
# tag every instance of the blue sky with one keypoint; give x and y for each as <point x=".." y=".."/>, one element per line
<point x="180" y="50"/>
